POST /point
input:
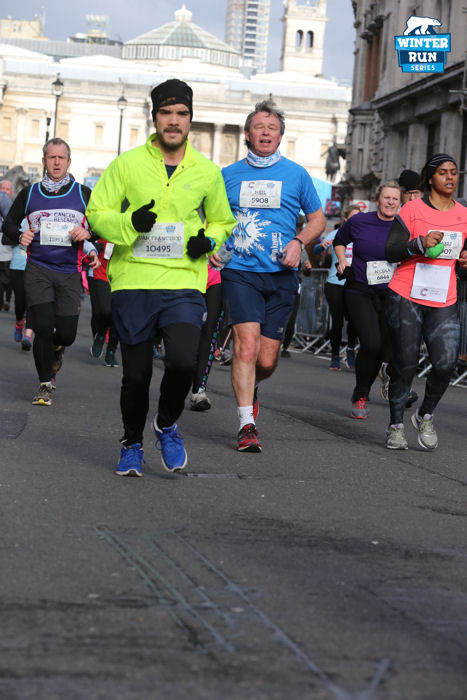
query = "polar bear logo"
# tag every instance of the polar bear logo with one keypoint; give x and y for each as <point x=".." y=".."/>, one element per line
<point x="421" y="25"/>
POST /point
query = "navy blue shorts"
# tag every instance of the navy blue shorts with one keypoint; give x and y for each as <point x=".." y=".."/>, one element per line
<point x="138" y="313"/>
<point x="266" y="298"/>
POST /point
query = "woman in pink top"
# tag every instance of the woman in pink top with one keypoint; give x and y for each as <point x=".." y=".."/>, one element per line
<point x="427" y="237"/>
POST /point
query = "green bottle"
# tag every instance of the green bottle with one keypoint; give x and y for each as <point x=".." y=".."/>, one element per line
<point x="435" y="250"/>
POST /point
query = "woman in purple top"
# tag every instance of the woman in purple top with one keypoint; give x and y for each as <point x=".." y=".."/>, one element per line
<point x="366" y="284"/>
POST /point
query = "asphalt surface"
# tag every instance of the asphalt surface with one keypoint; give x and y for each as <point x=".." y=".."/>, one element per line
<point x="327" y="567"/>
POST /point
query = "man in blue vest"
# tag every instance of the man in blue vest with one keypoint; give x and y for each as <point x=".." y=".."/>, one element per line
<point x="56" y="231"/>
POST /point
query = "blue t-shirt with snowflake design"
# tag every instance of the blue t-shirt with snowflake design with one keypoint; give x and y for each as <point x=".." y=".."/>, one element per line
<point x="266" y="203"/>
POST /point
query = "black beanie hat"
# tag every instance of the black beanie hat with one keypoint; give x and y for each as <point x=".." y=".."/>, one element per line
<point x="410" y="180"/>
<point x="172" y="92"/>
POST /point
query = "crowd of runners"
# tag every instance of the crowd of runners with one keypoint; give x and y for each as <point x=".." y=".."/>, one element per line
<point x="152" y="237"/>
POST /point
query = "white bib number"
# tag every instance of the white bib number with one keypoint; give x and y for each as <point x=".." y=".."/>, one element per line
<point x="164" y="240"/>
<point x="431" y="282"/>
<point x="261" y="194"/>
<point x="108" y="250"/>
<point x="379" y="271"/>
<point x="55" y="233"/>
<point x="453" y="243"/>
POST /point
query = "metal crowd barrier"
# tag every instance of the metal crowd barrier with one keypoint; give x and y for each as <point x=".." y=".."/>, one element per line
<point x="313" y="318"/>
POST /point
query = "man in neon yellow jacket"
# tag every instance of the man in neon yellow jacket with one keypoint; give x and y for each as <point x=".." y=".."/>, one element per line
<point x="164" y="207"/>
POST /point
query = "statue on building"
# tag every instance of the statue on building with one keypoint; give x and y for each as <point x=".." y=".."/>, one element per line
<point x="332" y="161"/>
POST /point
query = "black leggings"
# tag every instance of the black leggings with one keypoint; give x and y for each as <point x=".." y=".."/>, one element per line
<point x="290" y="327"/>
<point x="409" y="322"/>
<point x="335" y="296"/>
<point x="369" y="320"/>
<point x="50" y="331"/>
<point x="209" y="336"/>
<point x="17" y="281"/>
<point x="101" y="319"/>
<point x="181" y="342"/>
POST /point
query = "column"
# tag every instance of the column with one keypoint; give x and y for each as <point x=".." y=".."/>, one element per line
<point x="216" y="143"/>
<point x="241" y="147"/>
<point x="20" y="135"/>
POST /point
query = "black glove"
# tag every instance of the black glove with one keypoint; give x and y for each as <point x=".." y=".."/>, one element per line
<point x="198" y="245"/>
<point x="348" y="274"/>
<point x="142" y="219"/>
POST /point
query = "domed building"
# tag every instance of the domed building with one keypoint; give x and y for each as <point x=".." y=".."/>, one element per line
<point x="102" y="105"/>
<point x="179" y="40"/>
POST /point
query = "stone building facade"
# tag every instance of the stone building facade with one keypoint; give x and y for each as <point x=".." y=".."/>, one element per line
<point x="398" y="120"/>
<point x="86" y="112"/>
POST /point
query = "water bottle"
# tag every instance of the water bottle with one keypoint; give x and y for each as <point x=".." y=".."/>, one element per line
<point x="435" y="250"/>
<point x="225" y="253"/>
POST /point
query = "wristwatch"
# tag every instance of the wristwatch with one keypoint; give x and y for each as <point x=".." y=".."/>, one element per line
<point x="302" y="245"/>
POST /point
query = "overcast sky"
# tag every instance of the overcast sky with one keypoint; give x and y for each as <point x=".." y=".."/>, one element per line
<point x="130" y="19"/>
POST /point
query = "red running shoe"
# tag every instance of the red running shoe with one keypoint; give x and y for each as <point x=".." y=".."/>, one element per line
<point x="248" y="439"/>
<point x="359" y="409"/>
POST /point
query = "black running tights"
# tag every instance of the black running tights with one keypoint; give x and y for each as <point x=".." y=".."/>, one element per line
<point x="17" y="281"/>
<point x="50" y="331"/>
<point x="335" y="296"/>
<point x="409" y="323"/>
<point x="181" y="341"/>
<point x="101" y="319"/>
<point x="369" y="322"/>
<point x="213" y="299"/>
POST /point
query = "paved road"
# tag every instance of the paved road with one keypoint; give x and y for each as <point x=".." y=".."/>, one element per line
<point x="326" y="567"/>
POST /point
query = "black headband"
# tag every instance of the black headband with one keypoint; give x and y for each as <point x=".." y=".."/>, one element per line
<point x="437" y="160"/>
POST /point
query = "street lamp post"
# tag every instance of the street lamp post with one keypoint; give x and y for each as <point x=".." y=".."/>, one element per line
<point x="57" y="89"/>
<point x="48" y="119"/>
<point x="121" y="104"/>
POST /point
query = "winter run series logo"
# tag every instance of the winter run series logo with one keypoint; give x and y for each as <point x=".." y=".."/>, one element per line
<point x="420" y="49"/>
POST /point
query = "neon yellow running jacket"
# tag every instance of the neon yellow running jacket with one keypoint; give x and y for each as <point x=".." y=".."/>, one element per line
<point x="194" y="195"/>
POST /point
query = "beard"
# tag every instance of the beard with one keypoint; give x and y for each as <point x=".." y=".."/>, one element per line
<point x="170" y="145"/>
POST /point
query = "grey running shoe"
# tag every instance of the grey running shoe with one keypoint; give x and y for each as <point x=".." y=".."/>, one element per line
<point x="359" y="409"/>
<point x="199" y="401"/>
<point x="44" y="395"/>
<point x="395" y="437"/>
<point x="427" y="437"/>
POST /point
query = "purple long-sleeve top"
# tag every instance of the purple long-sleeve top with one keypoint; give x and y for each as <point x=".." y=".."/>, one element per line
<point x="368" y="233"/>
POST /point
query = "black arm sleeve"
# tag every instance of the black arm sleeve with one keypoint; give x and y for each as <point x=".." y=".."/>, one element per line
<point x="337" y="241"/>
<point x="398" y="245"/>
<point x="11" y="225"/>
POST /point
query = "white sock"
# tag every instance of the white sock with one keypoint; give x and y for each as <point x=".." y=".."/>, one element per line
<point x="245" y="415"/>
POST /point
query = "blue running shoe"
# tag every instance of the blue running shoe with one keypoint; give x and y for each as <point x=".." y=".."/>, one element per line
<point x="18" y="334"/>
<point x="131" y="459"/>
<point x="170" y="443"/>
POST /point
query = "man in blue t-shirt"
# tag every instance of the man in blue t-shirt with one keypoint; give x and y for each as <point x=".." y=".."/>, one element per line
<point x="266" y="193"/>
